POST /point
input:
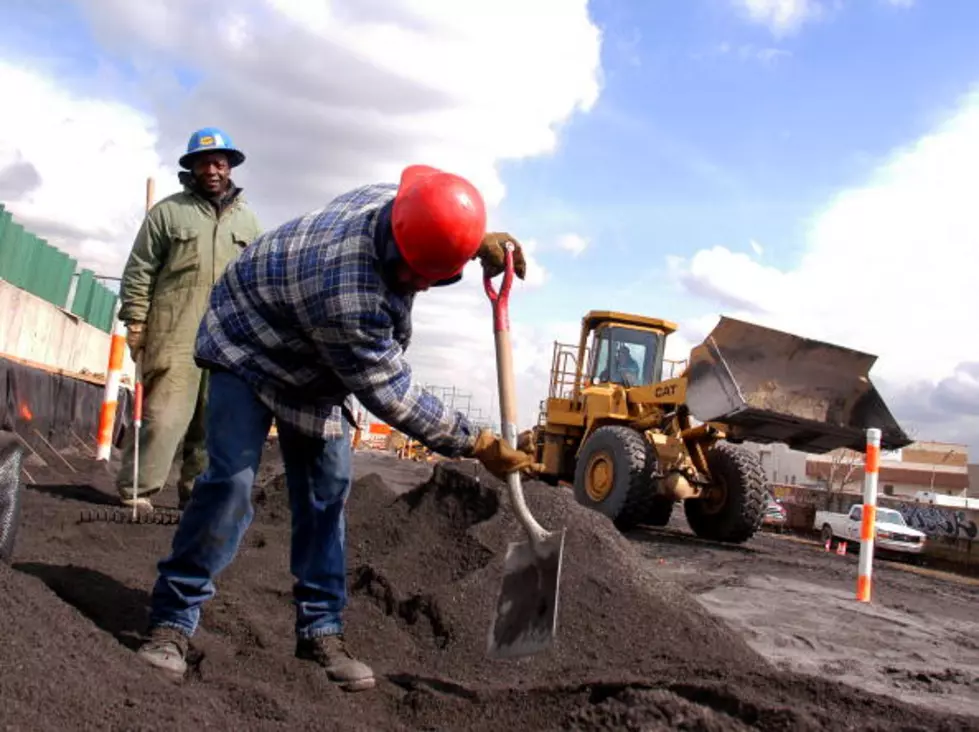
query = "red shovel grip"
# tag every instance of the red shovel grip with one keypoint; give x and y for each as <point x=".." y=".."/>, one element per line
<point x="501" y="299"/>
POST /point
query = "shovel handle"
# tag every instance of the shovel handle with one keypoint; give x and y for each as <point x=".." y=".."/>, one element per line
<point x="501" y="299"/>
<point x="507" y="388"/>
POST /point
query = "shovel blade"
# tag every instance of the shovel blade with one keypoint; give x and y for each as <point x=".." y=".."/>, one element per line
<point x="525" y="619"/>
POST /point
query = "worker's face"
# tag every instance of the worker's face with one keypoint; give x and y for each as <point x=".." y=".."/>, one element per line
<point x="409" y="281"/>
<point x="211" y="170"/>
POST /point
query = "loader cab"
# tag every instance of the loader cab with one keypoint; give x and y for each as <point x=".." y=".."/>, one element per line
<point x="625" y="349"/>
<point x="626" y="356"/>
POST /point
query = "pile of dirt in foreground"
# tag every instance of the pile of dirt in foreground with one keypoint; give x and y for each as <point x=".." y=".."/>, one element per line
<point x="634" y="651"/>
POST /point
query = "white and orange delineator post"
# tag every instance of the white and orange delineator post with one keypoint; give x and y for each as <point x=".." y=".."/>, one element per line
<point x="869" y="520"/>
<point x="110" y="395"/>
<point x="113" y="374"/>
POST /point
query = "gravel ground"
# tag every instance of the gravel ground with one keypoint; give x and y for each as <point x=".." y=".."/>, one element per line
<point x="657" y="631"/>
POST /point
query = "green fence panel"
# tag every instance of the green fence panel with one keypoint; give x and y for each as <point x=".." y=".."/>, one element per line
<point x="26" y="254"/>
<point x="65" y="271"/>
<point x="10" y="250"/>
<point x="34" y="265"/>
<point x="6" y="236"/>
<point x="83" y="293"/>
<point x="46" y="274"/>
<point x="100" y="306"/>
<point x="35" y="281"/>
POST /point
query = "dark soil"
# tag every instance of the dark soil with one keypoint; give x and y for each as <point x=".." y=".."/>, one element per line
<point x="635" y="651"/>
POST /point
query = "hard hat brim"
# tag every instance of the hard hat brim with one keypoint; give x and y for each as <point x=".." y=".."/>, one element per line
<point x="235" y="157"/>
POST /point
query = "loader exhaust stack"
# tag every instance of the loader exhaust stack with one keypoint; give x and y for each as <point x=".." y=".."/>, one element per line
<point x="768" y="386"/>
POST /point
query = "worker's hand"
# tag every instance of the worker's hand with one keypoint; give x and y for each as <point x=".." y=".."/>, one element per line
<point x="500" y="459"/>
<point x="134" y="339"/>
<point x="525" y="441"/>
<point x="492" y="253"/>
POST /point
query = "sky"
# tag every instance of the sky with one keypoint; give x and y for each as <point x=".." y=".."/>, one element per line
<point x="810" y="165"/>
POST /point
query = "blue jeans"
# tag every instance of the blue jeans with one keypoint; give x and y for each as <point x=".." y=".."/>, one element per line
<point x="318" y="475"/>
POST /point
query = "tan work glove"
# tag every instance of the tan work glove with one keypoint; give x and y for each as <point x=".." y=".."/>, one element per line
<point x="500" y="459"/>
<point x="492" y="253"/>
<point x="525" y="441"/>
<point x="134" y="339"/>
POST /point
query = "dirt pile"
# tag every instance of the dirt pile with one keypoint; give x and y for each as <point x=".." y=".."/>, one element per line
<point x="432" y="560"/>
<point x="634" y="651"/>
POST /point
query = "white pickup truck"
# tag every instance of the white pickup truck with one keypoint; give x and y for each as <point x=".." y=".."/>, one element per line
<point x="892" y="534"/>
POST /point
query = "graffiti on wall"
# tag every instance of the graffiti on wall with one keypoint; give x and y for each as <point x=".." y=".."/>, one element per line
<point x="940" y="522"/>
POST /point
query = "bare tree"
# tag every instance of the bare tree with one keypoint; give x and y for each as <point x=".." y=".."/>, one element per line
<point x="844" y="469"/>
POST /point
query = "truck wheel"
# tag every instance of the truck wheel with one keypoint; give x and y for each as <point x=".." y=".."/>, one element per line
<point x="613" y="475"/>
<point x="733" y="509"/>
<point x="826" y="534"/>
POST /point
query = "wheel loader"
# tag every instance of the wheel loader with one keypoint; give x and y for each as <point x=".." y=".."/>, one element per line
<point x="635" y="433"/>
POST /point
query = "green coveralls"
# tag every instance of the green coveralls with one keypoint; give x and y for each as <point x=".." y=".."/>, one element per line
<point x="182" y="247"/>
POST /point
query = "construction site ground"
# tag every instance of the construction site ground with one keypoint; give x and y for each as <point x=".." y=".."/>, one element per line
<point x="657" y="630"/>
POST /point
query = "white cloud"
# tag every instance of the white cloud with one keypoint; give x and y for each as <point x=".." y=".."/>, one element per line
<point x="890" y="268"/>
<point x="756" y="248"/>
<point x="321" y="96"/>
<point x="782" y="17"/>
<point x="573" y="244"/>
<point x="83" y="163"/>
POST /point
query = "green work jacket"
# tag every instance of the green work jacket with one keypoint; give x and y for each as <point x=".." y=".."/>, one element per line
<point x="181" y="249"/>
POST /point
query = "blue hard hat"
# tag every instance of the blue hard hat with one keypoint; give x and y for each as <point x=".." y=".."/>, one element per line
<point x="211" y="139"/>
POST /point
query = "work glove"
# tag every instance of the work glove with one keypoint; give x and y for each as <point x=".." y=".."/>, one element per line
<point x="134" y="339"/>
<point x="492" y="253"/>
<point x="500" y="459"/>
<point x="525" y="441"/>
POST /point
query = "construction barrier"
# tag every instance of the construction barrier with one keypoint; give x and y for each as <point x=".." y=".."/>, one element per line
<point x="869" y="519"/>
<point x="56" y="406"/>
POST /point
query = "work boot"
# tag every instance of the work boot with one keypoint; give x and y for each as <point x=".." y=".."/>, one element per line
<point x="166" y="649"/>
<point x="330" y="652"/>
<point x="143" y="505"/>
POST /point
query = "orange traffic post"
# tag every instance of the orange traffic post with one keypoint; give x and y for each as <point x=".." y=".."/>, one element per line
<point x="869" y="522"/>
<point x="110" y="395"/>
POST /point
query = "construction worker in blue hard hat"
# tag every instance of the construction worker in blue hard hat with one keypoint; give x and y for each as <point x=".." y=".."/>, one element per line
<point x="183" y="246"/>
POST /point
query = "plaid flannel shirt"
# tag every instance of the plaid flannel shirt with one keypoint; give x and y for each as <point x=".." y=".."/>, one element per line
<point x="304" y="317"/>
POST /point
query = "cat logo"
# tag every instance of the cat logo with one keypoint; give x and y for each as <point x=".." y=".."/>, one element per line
<point x="207" y="141"/>
<point x="662" y="391"/>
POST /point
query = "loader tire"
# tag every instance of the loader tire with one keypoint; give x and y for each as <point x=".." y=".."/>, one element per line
<point x="736" y="513"/>
<point x="613" y="475"/>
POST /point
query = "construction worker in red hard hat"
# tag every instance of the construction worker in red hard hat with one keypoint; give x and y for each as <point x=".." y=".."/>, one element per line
<point x="312" y="313"/>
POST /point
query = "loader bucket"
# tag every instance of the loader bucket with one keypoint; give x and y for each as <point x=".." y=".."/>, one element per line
<point x="768" y="386"/>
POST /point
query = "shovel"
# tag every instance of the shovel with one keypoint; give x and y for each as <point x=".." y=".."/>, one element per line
<point x="525" y="616"/>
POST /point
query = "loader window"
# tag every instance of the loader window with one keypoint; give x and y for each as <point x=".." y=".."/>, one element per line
<point x="626" y="356"/>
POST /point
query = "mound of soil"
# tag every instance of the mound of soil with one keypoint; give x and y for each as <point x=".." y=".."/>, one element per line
<point x="634" y="651"/>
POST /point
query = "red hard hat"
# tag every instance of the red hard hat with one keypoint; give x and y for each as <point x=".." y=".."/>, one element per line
<point x="439" y="220"/>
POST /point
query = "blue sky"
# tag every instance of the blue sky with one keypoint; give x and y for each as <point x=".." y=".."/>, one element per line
<point x="711" y="131"/>
<point x="690" y="147"/>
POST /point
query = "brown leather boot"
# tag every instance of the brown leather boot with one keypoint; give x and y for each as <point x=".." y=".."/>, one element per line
<point x="330" y="652"/>
<point x="166" y="649"/>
